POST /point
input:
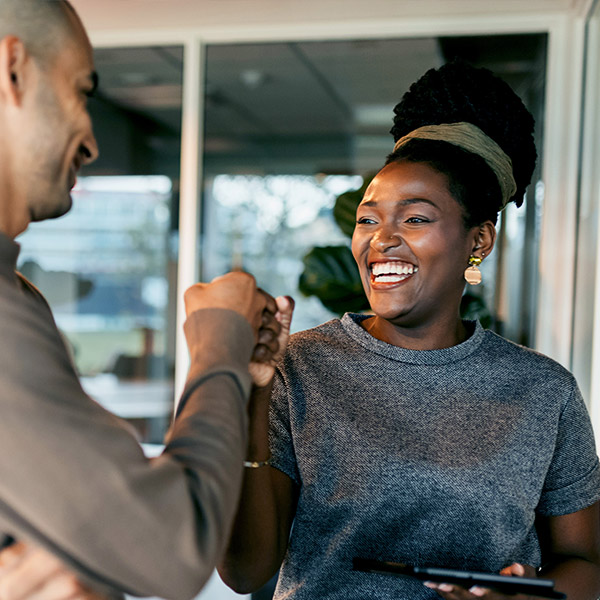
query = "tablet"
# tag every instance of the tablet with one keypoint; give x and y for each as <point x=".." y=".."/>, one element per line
<point x="508" y="584"/>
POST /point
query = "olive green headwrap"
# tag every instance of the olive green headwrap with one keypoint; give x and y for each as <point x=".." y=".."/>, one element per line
<point x="469" y="137"/>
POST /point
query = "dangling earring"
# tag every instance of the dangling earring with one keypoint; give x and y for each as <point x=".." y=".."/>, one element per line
<point x="472" y="273"/>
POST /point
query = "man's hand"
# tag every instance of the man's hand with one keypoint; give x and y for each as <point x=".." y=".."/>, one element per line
<point x="238" y="292"/>
<point x="234" y="291"/>
<point x="28" y="572"/>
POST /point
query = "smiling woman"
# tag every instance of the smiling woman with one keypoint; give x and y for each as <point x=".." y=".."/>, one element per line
<point x="410" y="435"/>
<point x="408" y="220"/>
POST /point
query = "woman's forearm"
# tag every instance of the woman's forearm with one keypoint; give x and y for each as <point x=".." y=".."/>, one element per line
<point x="259" y="535"/>
<point x="578" y="578"/>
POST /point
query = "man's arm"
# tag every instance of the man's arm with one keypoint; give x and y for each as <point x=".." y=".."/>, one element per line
<point x="74" y="479"/>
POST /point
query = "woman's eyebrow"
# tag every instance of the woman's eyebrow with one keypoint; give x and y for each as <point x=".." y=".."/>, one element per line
<point x="410" y="201"/>
<point x="403" y="202"/>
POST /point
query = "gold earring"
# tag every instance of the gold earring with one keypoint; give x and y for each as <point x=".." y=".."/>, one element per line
<point x="472" y="273"/>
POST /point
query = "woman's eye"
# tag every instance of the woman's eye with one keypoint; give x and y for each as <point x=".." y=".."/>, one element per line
<point x="365" y="221"/>
<point x="417" y="220"/>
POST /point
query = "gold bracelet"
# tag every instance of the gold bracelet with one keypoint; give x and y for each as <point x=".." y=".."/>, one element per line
<point x="256" y="464"/>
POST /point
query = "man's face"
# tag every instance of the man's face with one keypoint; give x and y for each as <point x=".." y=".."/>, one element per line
<point x="59" y="137"/>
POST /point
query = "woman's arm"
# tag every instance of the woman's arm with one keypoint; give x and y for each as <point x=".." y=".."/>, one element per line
<point x="571" y="552"/>
<point x="267" y="505"/>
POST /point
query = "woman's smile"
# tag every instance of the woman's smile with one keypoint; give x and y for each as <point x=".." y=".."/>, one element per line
<point x="389" y="273"/>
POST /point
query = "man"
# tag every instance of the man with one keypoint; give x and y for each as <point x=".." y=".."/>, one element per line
<point x="73" y="480"/>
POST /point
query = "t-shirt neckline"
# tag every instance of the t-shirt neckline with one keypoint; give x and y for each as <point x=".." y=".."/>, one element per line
<point x="351" y="323"/>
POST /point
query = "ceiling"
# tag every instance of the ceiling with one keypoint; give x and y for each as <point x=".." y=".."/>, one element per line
<point x="304" y="107"/>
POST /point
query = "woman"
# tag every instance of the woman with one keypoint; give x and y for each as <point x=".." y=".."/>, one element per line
<point x="410" y="435"/>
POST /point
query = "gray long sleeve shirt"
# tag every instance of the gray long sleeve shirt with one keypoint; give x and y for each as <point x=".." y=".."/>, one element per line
<point x="74" y="479"/>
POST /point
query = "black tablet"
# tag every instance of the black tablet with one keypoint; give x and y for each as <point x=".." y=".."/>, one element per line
<point x="506" y="584"/>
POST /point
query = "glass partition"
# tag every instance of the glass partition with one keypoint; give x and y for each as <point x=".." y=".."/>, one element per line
<point x="290" y="127"/>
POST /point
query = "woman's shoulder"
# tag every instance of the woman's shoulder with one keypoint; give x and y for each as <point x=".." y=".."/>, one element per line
<point x="325" y="333"/>
<point x="341" y="333"/>
<point x="507" y="354"/>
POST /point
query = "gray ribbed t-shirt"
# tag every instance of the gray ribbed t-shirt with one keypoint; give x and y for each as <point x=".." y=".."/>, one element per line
<point x="436" y="457"/>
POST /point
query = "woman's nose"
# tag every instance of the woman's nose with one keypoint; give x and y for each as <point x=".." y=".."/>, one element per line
<point x="384" y="239"/>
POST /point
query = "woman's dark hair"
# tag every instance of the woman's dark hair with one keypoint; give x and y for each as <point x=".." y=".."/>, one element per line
<point x="458" y="92"/>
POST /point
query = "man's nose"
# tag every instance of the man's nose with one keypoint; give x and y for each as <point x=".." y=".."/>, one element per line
<point x="89" y="149"/>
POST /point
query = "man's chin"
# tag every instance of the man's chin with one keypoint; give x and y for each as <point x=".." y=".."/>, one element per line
<point x="52" y="210"/>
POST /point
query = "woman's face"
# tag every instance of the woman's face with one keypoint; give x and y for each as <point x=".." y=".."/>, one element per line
<point x="411" y="245"/>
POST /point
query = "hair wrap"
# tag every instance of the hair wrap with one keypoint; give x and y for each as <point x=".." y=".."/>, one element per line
<point x="469" y="137"/>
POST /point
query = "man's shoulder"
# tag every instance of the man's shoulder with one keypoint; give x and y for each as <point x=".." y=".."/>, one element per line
<point x="22" y="305"/>
<point x="30" y="289"/>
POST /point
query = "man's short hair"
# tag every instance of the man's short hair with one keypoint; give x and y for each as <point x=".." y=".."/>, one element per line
<point x="42" y="25"/>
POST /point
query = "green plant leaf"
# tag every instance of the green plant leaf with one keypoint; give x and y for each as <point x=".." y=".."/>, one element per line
<point x="473" y="307"/>
<point x="331" y="274"/>
<point x="344" y="211"/>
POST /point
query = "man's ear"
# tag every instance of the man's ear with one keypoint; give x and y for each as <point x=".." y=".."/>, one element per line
<point x="13" y="64"/>
<point x="484" y="239"/>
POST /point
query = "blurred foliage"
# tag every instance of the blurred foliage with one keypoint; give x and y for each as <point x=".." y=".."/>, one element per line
<point x="344" y="211"/>
<point x="473" y="308"/>
<point x="330" y="272"/>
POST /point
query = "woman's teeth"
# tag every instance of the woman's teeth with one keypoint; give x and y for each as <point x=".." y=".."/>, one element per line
<point x="392" y="272"/>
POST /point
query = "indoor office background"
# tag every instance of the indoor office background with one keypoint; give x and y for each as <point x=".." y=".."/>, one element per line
<point x="287" y="128"/>
<point x="228" y="129"/>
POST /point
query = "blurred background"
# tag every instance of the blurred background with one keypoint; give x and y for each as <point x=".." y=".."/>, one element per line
<point x="288" y="128"/>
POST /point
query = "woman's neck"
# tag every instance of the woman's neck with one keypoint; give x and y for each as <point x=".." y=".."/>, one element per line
<point x="425" y="337"/>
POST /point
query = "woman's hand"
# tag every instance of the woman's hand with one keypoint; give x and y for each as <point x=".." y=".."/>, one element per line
<point x="262" y="372"/>
<point x="455" y="592"/>
<point x="28" y="572"/>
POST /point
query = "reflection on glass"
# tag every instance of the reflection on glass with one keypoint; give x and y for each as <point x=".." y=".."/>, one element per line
<point x="103" y="269"/>
<point x="109" y="267"/>
<point x="585" y="354"/>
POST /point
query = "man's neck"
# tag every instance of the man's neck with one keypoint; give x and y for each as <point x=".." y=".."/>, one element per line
<point x="14" y="220"/>
<point x="14" y="216"/>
